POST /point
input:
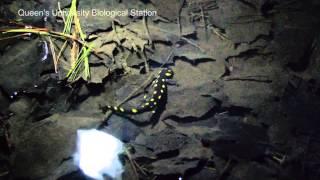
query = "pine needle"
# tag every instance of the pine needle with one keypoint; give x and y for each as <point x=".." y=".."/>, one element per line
<point x="80" y="49"/>
<point x="81" y="67"/>
<point x="53" y="52"/>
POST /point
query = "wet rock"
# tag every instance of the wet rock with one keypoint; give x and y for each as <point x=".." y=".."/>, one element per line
<point x="168" y="9"/>
<point x="21" y="107"/>
<point x="179" y="103"/>
<point x="176" y="153"/>
<point x="4" y="102"/>
<point x="162" y="31"/>
<point x="192" y="93"/>
<point x="182" y="164"/>
<point x="22" y="62"/>
<point x="239" y="18"/>
<point x="224" y="102"/>
<point x="160" y="53"/>
<point x="83" y="91"/>
<point x="252" y="171"/>
<point x="233" y="138"/>
<point x="173" y="166"/>
<point x="192" y="54"/>
<point x="194" y="150"/>
<point x="15" y="6"/>
<point x="135" y="59"/>
<point x="205" y="173"/>
<point x="122" y="128"/>
<point x="92" y="23"/>
<point x="194" y="128"/>
<point x="142" y="154"/>
<point x="98" y="73"/>
<point x="248" y="93"/>
<point x="166" y="141"/>
<point x="301" y="105"/>
<point x="188" y="159"/>
<point x="43" y="99"/>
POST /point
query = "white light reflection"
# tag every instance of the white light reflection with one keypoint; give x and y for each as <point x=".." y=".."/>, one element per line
<point x="97" y="154"/>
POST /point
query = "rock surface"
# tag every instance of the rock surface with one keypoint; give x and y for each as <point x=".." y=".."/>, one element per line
<point x="243" y="102"/>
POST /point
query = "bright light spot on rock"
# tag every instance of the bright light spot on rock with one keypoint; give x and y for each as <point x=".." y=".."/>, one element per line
<point x="97" y="154"/>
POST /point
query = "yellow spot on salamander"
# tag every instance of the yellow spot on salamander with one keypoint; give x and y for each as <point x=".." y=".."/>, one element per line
<point x="121" y="109"/>
<point x="163" y="86"/>
<point x="163" y="80"/>
<point x="115" y="108"/>
<point x="159" y="97"/>
<point x="155" y="92"/>
<point x="145" y="97"/>
<point x="134" y="110"/>
<point x="153" y="112"/>
<point x="156" y="85"/>
<point x="155" y="103"/>
<point x="161" y="90"/>
<point x="168" y="74"/>
<point x="109" y="107"/>
<point x="147" y="104"/>
<point x="151" y="99"/>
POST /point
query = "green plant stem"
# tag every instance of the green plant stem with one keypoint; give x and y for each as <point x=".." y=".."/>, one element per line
<point x="53" y="34"/>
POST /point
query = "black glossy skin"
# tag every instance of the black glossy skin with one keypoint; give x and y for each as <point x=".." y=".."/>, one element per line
<point x="159" y="90"/>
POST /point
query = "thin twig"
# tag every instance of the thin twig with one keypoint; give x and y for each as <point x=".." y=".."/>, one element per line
<point x="183" y="38"/>
<point x="131" y="163"/>
<point x="179" y="17"/>
<point x="203" y="17"/>
<point x="54" y="57"/>
<point x="62" y="49"/>
<point x="74" y="49"/>
<point x="225" y="169"/>
<point x="16" y="36"/>
<point x="44" y="31"/>
<point x="145" y="24"/>
<point x="193" y="44"/>
<point x="145" y="62"/>
<point x="60" y="11"/>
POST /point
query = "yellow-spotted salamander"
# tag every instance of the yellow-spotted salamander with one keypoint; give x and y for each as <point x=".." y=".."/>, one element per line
<point x="159" y="90"/>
